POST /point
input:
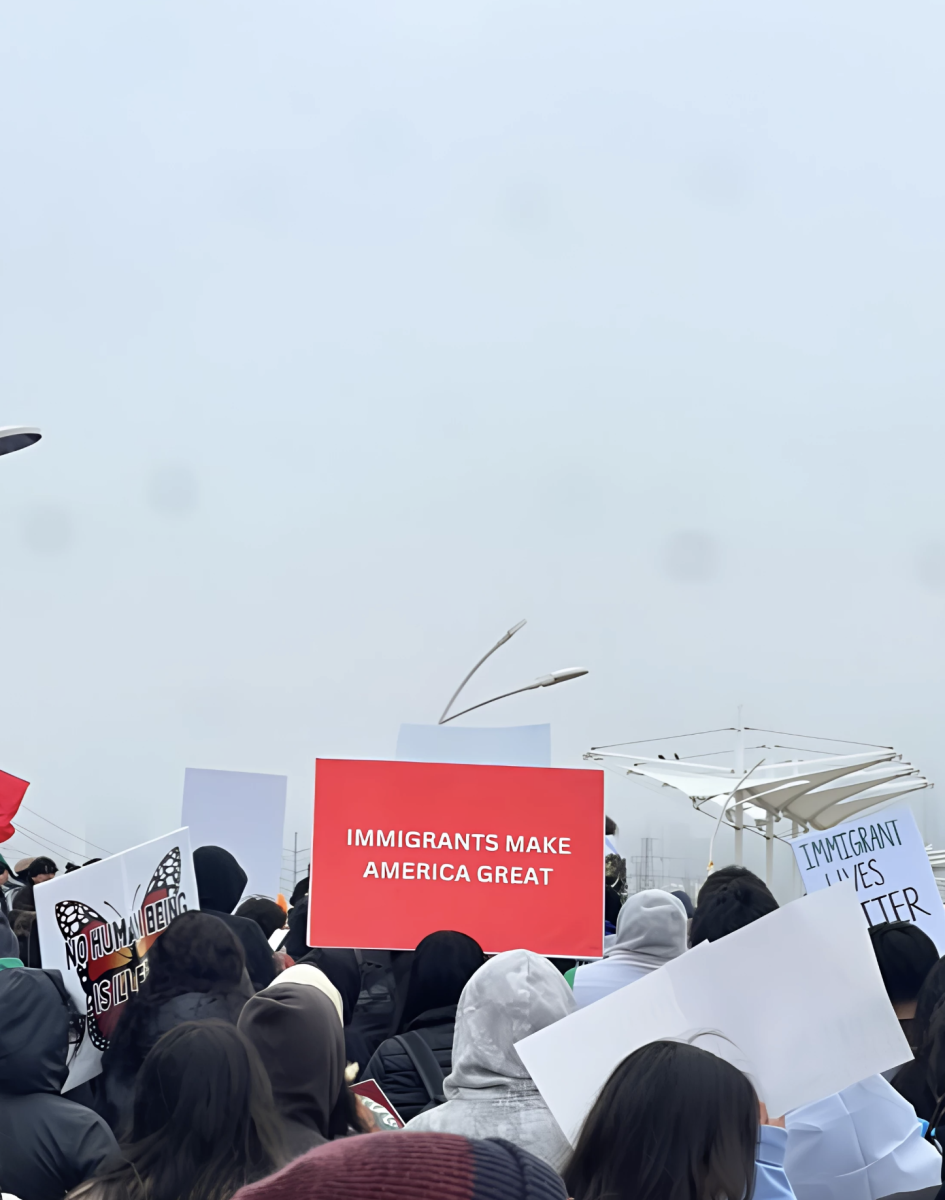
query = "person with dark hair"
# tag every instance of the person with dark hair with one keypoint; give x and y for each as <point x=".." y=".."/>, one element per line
<point x="267" y="914"/>
<point x="39" y="870"/>
<point x="683" y="898"/>
<point x="928" y="1072"/>
<point x="203" y="1123"/>
<point x="4" y="880"/>
<point x="48" y="1142"/>
<point x="196" y="973"/>
<point x="905" y="955"/>
<point x="913" y="1080"/>
<point x="488" y="1091"/>
<point x="299" y="891"/>
<point x="300" y="1040"/>
<point x="405" y="1066"/>
<point x="674" y="1122"/>
<point x="296" y="940"/>
<point x="23" y="915"/>
<point x="412" y="1166"/>
<point x="651" y="931"/>
<point x="728" y="908"/>
<point x="869" y="1132"/>
<point x="220" y="883"/>
<point x="612" y="904"/>
<point x="725" y="876"/>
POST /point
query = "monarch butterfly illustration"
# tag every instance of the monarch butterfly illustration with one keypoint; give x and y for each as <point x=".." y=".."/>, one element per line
<point x="109" y="956"/>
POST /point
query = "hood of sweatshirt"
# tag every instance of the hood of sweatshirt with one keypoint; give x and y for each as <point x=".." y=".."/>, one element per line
<point x="651" y="929"/>
<point x="34" y="1032"/>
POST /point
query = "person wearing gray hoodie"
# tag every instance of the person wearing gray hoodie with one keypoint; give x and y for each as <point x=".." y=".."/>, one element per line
<point x="489" y="1094"/>
<point x="651" y="930"/>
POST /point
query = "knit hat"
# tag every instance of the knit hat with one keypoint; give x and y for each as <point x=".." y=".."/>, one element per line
<point x="4" y="865"/>
<point x="411" y="1166"/>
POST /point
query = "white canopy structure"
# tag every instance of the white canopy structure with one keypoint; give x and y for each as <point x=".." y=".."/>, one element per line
<point x="816" y="792"/>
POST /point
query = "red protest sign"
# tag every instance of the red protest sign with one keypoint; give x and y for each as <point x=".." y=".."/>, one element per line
<point x="512" y="856"/>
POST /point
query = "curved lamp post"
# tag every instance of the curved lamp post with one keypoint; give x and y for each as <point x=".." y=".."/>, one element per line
<point x="17" y="437"/>
<point x="542" y="681"/>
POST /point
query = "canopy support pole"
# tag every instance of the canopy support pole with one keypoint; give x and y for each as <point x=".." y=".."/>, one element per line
<point x="769" y="850"/>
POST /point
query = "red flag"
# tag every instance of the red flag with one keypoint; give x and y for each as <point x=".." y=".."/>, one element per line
<point x="12" y="791"/>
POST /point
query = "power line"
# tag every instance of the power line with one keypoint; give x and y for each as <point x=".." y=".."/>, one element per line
<point x="45" y="841"/>
<point x="64" y="830"/>
<point x="674" y="736"/>
<point x="811" y="737"/>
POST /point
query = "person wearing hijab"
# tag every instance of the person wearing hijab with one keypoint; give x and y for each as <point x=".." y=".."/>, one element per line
<point x="421" y="1166"/>
<point x="48" y="1142"/>
<point x="298" y="1034"/>
<point x="405" y="1066"/>
<point x="220" y="883"/>
<point x="651" y="930"/>
<point x="196" y="972"/>
<point x="488" y="1092"/>
<point x="344" y="971"/>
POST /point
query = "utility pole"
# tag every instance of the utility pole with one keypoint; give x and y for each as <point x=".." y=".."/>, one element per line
<point x="295" y="862"/>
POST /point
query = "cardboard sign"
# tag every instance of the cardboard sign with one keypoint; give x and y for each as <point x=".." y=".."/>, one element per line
<point x="807" y="967"/>
<point x="500" y="746"/>
<point x="508" y="855"/>
<point x="96" y="926"/>
<point x="243" y="812"/>
<point x="386" y="1117"/>
<point x="884" y="857"/>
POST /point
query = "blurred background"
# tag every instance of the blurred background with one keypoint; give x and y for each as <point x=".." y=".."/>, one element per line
<point x="359" y="332"/>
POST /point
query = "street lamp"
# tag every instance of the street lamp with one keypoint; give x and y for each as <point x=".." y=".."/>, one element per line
<point x="17" y="437"/>
<point x="541" y="681"/>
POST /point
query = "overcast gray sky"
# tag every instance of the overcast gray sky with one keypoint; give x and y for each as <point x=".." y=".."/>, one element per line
<point x="359" y="332"/>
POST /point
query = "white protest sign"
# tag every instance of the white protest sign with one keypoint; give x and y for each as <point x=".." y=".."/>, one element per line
<point x="96" y="926"/>
<point x="884" y="857"/>
<point x="795" y="1000"/>
<point x="499" y="746"/>
<point x="244" y="812"/>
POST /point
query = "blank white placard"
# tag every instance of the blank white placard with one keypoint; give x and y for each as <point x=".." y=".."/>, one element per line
<point x="797" y="998"/>
<point x="244" y="813"/>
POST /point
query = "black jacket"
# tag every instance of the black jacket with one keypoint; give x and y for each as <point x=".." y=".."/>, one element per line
<point x="48" y="1143"/>
<point x="220" y="883"/>
<point x="120" y="1065"/>
<point x="259" y="961"/>
<point x="395" y="1074"/>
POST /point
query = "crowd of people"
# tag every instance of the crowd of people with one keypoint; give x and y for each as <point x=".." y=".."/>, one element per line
<point x="230" y="1070"/>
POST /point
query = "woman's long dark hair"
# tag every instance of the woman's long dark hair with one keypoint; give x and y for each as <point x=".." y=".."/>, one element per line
<point x="444" y="963"/>
<point x="204" y="1122"/>
<point x="673" y="1122"/>
<point x="196" y="953"/>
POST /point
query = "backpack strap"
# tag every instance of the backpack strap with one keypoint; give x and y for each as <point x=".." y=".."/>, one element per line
<point x="425" y="1064"/>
